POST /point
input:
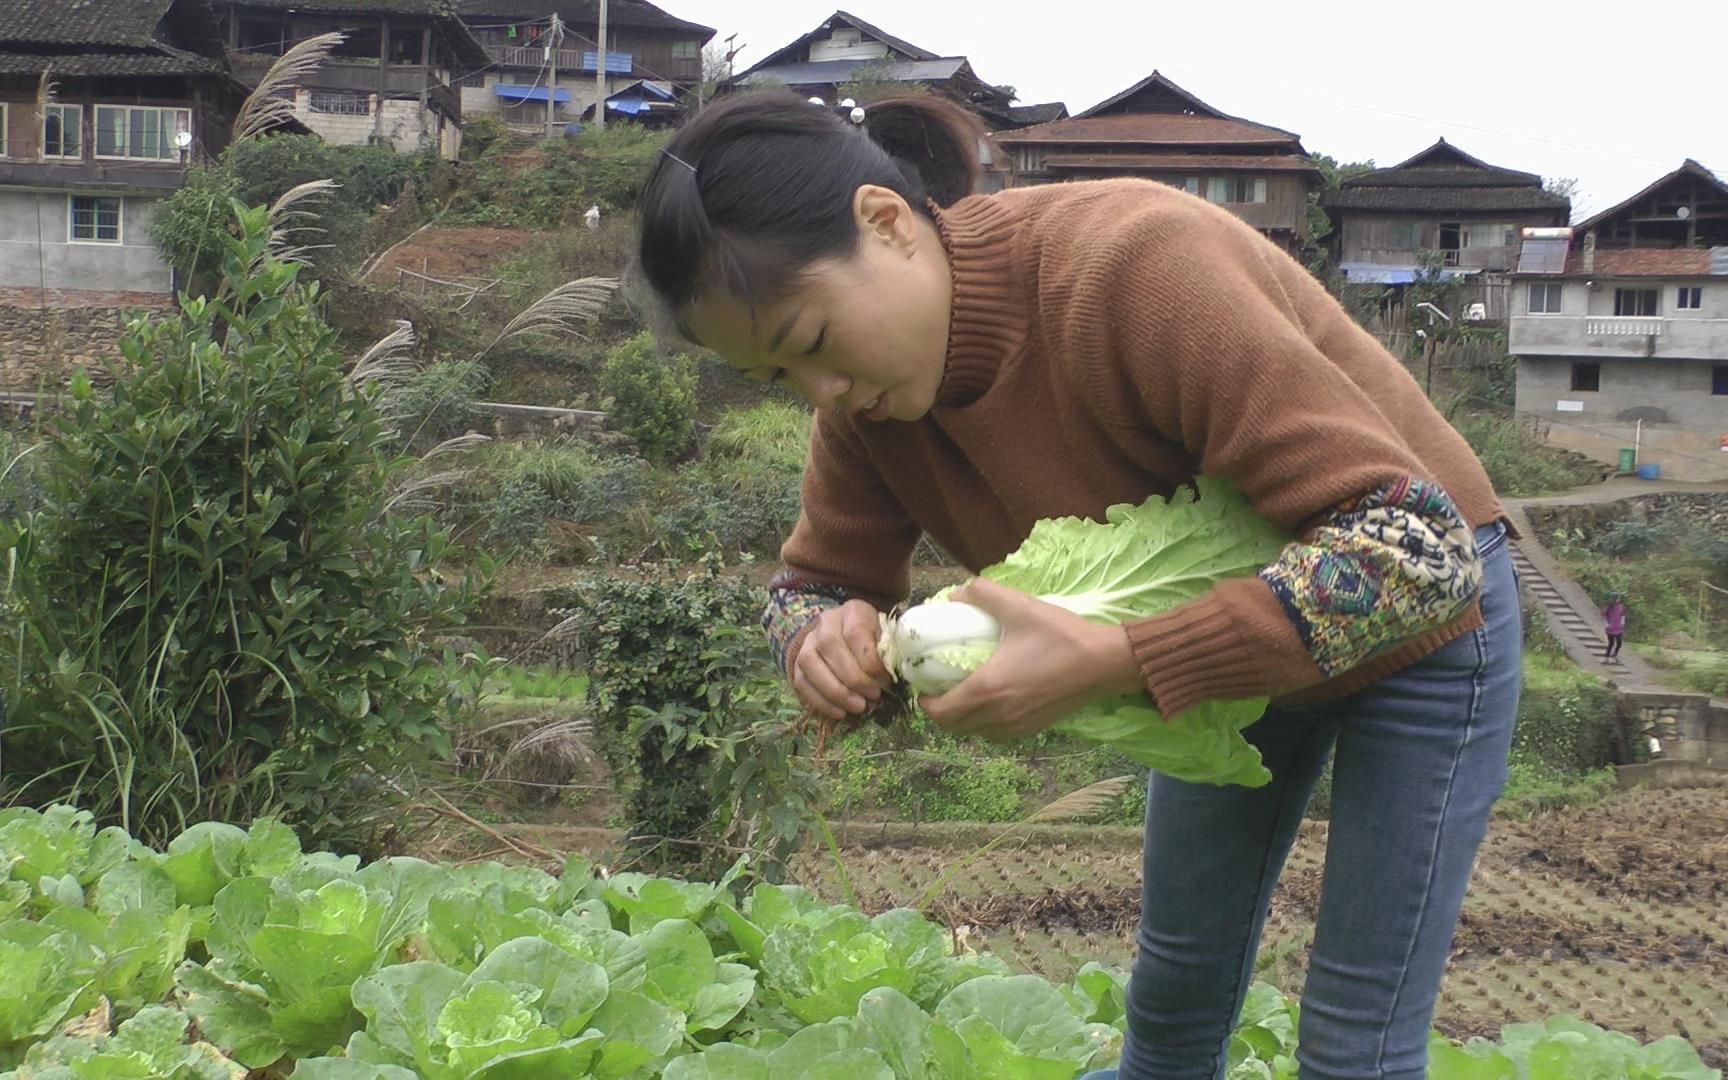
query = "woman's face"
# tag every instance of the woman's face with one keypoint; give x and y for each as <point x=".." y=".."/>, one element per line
<point x="866" y="334"/>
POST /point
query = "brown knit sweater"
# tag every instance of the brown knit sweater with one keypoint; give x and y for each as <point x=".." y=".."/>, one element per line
<point x="1111" y="340"/>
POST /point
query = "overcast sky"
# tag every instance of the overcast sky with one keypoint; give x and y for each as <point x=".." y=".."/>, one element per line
<point x="1615" y="98"/>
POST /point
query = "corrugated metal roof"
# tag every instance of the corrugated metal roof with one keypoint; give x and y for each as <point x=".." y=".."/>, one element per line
<point x="1152" y="129"/>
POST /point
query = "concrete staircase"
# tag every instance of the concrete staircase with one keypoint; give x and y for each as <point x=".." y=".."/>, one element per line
<point x="1580" y="633"/>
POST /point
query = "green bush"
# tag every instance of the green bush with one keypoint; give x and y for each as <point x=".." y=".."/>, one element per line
<point x="1568" y="729"/>
<point x="189" y="225"/>
<point x="1517" y="460"/>
<point x="214" y="615"/>
<point x="687" y="701"/>
<point x="735" y="506"/>
<point x="480" y="133"/>
<point x="653" y="397"/>
<point x="437" y="403"/>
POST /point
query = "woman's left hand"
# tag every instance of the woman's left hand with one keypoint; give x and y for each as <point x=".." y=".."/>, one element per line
<point x="1049" y="662"/>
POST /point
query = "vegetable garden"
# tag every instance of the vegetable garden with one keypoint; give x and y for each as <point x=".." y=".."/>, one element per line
<point x="232" y="953"/>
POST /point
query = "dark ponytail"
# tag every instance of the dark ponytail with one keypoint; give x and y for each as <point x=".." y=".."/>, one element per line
<point x="760" y="185"/>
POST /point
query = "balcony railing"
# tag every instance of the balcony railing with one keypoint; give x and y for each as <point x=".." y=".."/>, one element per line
<point x="534" y="56"/>
<point x="1623" y="326"/>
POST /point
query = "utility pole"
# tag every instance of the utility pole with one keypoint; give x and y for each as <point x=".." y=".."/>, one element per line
<point x="600" y="71"/>
<point x="553" y="37"/>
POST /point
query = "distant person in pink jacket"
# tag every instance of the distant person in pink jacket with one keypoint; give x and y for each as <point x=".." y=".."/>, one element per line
<point x="1614" y="620"/>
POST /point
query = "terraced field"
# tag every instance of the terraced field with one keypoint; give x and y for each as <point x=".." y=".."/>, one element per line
<point x="1617" y="913"/>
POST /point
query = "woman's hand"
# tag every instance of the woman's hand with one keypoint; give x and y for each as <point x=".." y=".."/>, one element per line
<point x="838" y="671"/>
<point x="1049" y="662"/>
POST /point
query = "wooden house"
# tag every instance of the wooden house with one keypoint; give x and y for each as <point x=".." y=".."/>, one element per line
<point x="1159" y="131"/>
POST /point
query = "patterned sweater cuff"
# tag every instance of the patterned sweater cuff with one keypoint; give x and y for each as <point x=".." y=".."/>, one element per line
<point x="793" y="605"/>
<point x="1377" y="572"/>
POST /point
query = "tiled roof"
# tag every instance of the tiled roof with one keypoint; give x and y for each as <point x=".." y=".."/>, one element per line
<point x="80" y="22"/>
<point x="634" y="13"/>
<point x="162" y="61"/>
<point x="446" y="8"/>
<point x="1643" y="262"/>
<point x="824" y="72"/>
<point x="1442" y="199"/>
<point x="1153" y="162"/>
<point x="1444" y="165"/>
<point x="1152" y="129"/>
<point x="1038" y="114"/>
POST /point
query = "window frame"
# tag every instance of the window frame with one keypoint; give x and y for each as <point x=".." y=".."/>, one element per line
<point x="164" y="133"/>
<point x="692" y="51"/>
<point x="1553" y="296"/>
<point x="1622" y="293"/>
<point x="61" y="111"/>
<point x="72" y="236"/>
<point x="1586" y="367"/>
<point x="1694" y="293"/>
<point x="1719" y="380"/>
<point x="5" y="129"/>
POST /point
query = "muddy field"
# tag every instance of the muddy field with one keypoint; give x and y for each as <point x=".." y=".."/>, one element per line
<point x="1617" y="913"/>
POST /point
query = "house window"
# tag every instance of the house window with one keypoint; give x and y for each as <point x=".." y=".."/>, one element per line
<point x="63" y="131"/>
<point x="1545" y="298"/>
<point x="1487" y="236"/>
<point x="1635" y="303"/>
<point x="1403" y="236"/>
<point x="1719" y="380"/>
<point x="95" y="220"/>
<point x="1028" y="159"/>
<point x="3" y="119"/>
<point x="1236" y="189"/>
<point x="684" y="50"/>
<point x="142" y="134"/>
<point x="1586" y="377"/>
<point x="340" y="104"/>
<point x="1689" y="298"/>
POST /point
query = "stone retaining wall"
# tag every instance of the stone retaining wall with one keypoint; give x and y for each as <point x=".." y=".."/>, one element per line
<point x="47" y="334"/>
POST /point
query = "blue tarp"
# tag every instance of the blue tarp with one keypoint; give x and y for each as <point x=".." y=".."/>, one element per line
<point x="1390" y="274"/>
<point x="510" y="92"/>
<point x="639" y="98"/>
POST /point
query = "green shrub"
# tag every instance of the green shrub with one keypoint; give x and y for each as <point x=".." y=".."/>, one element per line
<point x="189" y="225"/>
<point x="1517" y="460"/>
<point x="653" y="397"/>
<point x="214" y="615"/>
<point x="438" y="402"/>
<point x="687" y="700"/>
<point x="735" y="506"/>
<point x="1568" y="729"/>
<point x="480" y="133"/>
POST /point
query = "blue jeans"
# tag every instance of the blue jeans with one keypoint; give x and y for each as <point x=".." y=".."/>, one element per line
<point x="1420" y="760"/>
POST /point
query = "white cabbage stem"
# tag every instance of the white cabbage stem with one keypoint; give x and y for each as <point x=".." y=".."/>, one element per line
<point x="934" y="646"/>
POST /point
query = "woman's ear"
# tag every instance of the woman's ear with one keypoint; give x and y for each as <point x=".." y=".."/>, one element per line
<point x="884" y="216"/>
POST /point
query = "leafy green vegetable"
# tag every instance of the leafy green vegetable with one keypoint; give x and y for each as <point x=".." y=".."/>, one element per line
<point x="150" y="1046"/>
<point x="1139" y="562"/>
<point x="402" y="969"/>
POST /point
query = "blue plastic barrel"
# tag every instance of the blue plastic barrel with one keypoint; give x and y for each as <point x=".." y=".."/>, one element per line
<point x="1649" y="472"/>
